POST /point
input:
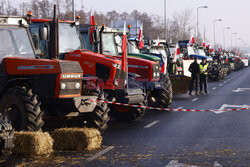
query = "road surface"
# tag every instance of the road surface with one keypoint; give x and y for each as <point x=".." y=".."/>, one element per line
<point x="174" y="139"/>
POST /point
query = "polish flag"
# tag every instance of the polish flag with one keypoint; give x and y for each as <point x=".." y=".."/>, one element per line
<point x="177" y="51"/>
<point x="158" y="42"/>
<point x="141" y="43"/>
<point x="124" y="49"/>
<point x="192" y="41"/>
<point x="204" y="44"/>
<point x="92" y="24"/>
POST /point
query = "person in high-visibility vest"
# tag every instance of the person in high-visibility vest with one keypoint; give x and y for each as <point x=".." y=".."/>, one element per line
<point x="203" y="75"/>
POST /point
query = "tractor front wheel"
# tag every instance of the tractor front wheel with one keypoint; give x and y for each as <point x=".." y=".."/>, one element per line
<point x="21" y="107"/>
<point x="162" y="98"/>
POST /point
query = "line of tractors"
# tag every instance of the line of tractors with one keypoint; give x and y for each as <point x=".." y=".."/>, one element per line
<point x="52" y="71"/>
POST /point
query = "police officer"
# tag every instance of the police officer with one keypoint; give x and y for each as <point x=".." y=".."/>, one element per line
<point x="194" y="68"/>
<point x="203" y="75"/>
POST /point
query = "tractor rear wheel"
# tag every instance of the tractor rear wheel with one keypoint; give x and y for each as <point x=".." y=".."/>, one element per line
<point x="124" y="113"/>
<point x="6" y="138"/>
<point x="20" y="105"/>
<point x="162" y="98"/>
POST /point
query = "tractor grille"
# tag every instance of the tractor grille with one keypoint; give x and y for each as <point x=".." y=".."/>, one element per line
<point x="71" y="87"/>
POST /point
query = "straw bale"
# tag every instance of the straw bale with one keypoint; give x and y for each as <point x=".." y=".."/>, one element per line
<point x="33" y="143"/>
<point x="79" y="139"/>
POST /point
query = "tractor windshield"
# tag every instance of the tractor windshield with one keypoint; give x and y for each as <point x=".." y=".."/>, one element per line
<point x="201" y="52"/>
<point x="132" y="47"/>
<point x="15" y="42"/>
<point x="68" y="38"/>
<point x="109" y="45"/>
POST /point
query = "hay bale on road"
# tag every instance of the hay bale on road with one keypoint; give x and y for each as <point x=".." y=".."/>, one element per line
<point x="79" y="139"/>
<point x="33" y="143"/>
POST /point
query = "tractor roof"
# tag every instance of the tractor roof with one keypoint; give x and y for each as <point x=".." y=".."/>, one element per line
<point x="48" y="20"/>
<point x="13" y="20"/>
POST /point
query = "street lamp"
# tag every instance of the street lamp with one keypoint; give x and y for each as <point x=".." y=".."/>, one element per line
<point x="197" y="31"/>
<point x="232" y="39"/>
<point x="224" y="41"/>
<point x="216" y="20"/>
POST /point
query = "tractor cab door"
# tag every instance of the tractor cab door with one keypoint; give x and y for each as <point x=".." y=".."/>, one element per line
<point x="41" y="46"/>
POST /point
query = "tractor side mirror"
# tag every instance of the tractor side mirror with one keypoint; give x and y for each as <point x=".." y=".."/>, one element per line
<point x="43" y="33"/>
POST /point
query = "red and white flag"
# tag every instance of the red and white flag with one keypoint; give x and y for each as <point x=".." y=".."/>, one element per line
<point x="124" y="48"/>
<point x="204" y="44"/>
<point x="141" y="43"/>
<point x="158" y="42"/>
<point x="177" y="51"/>
<point x="92" y="24"/>
<point x="191" y="41"/>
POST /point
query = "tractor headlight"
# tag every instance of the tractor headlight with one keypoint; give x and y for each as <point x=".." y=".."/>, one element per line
<point x="158" y="74"/>
<point x="78" y="85"/>
<point x="155" y="74"/>
<point x="63" y="86"/>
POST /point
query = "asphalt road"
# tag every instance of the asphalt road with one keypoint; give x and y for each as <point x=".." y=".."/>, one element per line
<point x="174" y="138"/>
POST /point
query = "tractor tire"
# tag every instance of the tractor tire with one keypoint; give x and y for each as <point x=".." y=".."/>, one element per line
<point x="99" y="118"/>
<point x="163" y="97"/>
<point x="20" y="105"/>
<point x="124" y="113"/>
<point x="6" y="138"/>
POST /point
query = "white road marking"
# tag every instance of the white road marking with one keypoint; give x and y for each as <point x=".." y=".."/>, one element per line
<point x="241" y="90"/>
<point x="220" y="84"/>
<point x="216" y="164"/>
<point x="97" y="155"/>
<point x="225" y="81"/>
<point x="214" y="88"/>
<point x="151" y="124"/>
<point x="195" y="99"/>
<point x="175" y="163"/>
<point x="224" y="106"/>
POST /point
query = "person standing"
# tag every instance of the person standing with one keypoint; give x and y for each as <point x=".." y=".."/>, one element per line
<point x="171" y="67"/>
<point x="203" y="75"/>
<point x="194" y="68"/>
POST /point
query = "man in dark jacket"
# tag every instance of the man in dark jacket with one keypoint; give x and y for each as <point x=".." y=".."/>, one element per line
<point x="194" y="68"/>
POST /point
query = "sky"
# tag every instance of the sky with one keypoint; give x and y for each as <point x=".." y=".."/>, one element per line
<point x="234" y="14"/>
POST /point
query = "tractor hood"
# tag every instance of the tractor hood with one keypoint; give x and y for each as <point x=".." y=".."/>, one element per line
<point x="144" y="56"/>
<point x="96" y="57"/>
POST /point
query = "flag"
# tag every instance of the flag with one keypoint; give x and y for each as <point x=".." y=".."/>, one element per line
<point x="192" y="41"/>
<point x="204" y="44"/>
<point x="177" y="51"/>
<point x="124" y="49"/>
<point x="92" y="24"/>
<point x="219" y="49"/>
<point x="141" y="43"/>
<point x="158" y="42"/>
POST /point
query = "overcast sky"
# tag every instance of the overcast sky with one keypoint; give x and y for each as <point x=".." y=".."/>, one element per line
<point x="234" y="13"/>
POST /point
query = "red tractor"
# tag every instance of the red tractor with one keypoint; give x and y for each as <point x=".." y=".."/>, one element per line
<point x="118" y="85"/>
<point x="156" y="85"/>
<point x="33" y="89"/>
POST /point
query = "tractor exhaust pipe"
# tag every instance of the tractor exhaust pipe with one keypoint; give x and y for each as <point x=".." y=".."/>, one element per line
<point x="54" y="38"/>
